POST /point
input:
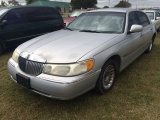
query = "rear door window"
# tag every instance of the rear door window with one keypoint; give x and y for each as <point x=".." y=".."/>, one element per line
<point x="41" y="14"/>
<point x="150" y="15"/>
<point x="144" y="21"/>
<point x="52" y="14"/>
<point x="35" y="14"/>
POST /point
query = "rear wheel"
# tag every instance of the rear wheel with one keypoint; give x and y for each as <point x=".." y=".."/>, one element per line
<point x="107" y="77"/>
<point x="150" y="47"/>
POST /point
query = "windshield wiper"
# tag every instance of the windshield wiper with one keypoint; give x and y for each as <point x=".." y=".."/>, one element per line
<point x="108" y="32"/>
<point x="89" y="31"/>
<point x="69" y="29"/>
<point x="97" y="31"/>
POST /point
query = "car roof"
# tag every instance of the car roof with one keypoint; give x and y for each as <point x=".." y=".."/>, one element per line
<point x="149" y="11"/>
<point x="125" y="10"/>
<point x="13" y="7"/>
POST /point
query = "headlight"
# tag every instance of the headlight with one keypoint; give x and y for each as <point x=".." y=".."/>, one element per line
<point x="69" y="69"/>
<point x="15" y="56"/>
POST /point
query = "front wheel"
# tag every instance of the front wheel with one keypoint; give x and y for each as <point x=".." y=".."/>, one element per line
<point x="107" y="77"/>
<point x="150" y="47"/>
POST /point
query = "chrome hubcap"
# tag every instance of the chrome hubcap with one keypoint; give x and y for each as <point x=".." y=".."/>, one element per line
<point x="150" y="46"/>
<point x="108" y="76"/>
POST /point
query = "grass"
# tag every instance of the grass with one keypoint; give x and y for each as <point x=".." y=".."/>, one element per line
<point x="135" y="96"/>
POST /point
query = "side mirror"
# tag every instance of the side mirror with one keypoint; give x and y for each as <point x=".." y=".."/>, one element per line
<point x="4" y="22"/>
<point x="157" y="18"/>
<point x="136" y="28"/>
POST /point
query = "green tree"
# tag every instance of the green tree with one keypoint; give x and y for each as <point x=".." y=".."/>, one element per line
<point x="58" y="8"/>
<point x="105" y="7"/>
<point x="3" y="4"/>
<point x="13" y="3"/>
<point x="123" y="4"/>
<point x="30" y="1"/>
<point x="78" y="4"/>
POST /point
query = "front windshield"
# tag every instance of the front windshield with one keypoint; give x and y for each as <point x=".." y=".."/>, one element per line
<point x="109" y="22"/>
<point x="76" y="13"/>
<point x="150" y="15"/>
<point x="2" y="11"/>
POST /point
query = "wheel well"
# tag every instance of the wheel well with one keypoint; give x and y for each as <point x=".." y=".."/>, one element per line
<point x="118" y="61"/>
<point x="154" y="36"/>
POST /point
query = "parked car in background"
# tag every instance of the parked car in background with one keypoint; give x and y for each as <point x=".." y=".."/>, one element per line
<point x="154" y="17"/>
<point x="73" y="15"/>
<point x="20" y="24"/>
<point x="156" y="9"/>
<point x="89" y="54"/>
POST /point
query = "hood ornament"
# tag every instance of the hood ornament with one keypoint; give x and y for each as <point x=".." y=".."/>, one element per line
<point x="32" y="57"/>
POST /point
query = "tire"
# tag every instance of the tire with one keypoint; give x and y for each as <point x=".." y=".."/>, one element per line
<point x="150" y="47"/>
<point x="107" y="77"/>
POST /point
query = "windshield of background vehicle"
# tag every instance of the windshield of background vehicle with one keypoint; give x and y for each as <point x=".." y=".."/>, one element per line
<point x="76" y="13"/>
<point x="108" y="22"/>
<point x="150" y="15"/>
<point x="158" y="10"/>
<point x="2" y="11"/>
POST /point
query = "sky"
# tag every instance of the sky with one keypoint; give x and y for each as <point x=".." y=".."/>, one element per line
<point x="111" y="3"/>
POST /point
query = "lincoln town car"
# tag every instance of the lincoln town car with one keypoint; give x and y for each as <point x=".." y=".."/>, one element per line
<point x="87" y="55"/>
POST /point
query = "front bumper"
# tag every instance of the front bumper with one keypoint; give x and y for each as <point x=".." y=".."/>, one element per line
<point x="63" y="88"/>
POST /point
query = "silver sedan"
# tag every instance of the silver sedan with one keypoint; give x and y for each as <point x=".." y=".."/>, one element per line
<point x="88" y="54"/>
<point x="154" y="17"/>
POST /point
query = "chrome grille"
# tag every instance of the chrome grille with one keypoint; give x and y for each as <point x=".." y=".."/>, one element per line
<point x="30" y="67"/>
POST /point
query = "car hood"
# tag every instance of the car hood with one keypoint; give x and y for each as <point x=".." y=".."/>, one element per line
<point x="65" y="46"/>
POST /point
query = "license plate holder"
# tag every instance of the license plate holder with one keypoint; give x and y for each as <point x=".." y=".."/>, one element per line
<point x="23" y="80"/>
